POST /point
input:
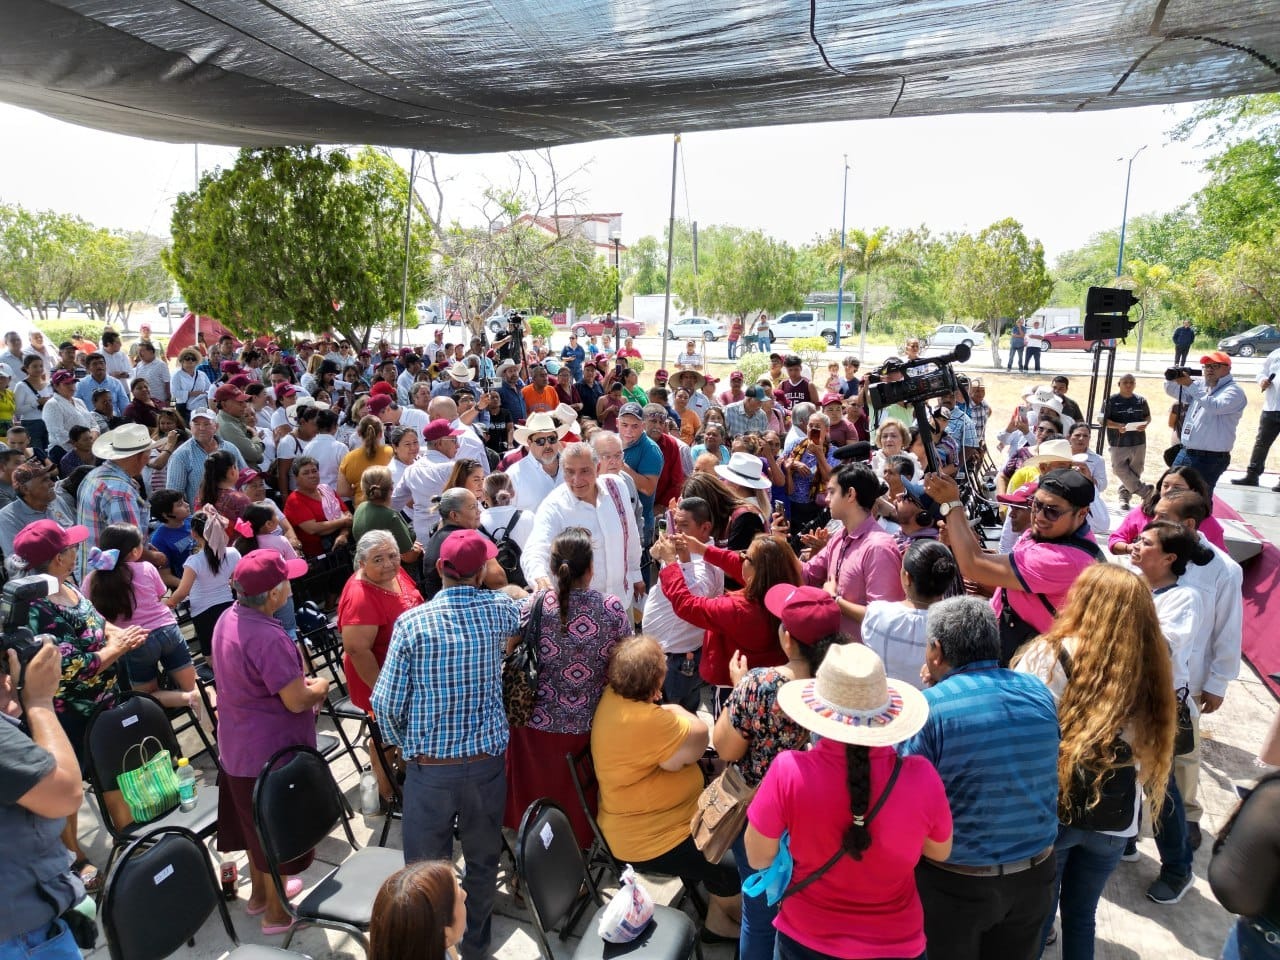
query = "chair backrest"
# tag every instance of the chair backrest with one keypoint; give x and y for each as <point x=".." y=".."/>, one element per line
<point x="114" y="730"/>
<point x="582" y="771"/>
<point x="549" y="861"/>
<point x="159" y="894"/>
<point x="296" y="803"/>
<point x="394" y="778"/>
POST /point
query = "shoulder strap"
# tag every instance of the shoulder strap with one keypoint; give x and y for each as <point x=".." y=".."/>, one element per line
<point x="1064" y="661"/>
<point x="866" y="822"/>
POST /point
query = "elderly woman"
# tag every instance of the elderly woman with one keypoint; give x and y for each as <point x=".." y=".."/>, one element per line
<point x="893" y="439"/>
<point x="713" y="443"/>
<point x="90" y="648"/>
<point x="375" y="513"/>
<point x="318" y="516"/>
<point x="646" y="759"/>
<point x="218" y="486"/>
<point x="576" y="629"/>
<point x="63" y="411"/>
<point x="266" y="702"/>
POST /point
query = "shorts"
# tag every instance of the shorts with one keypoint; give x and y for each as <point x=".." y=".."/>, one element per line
<point x="164" y="646"/>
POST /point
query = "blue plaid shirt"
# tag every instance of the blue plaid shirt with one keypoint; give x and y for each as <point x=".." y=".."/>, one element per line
<point x="439" y="693"/>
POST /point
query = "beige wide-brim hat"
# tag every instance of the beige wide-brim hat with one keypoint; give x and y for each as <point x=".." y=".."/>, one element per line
<point x="698" y="379"/>
<point x="1050" y="451"/>
<point x="851" y="700"/>
<point x="123" y="442"/>
<point x="539" y="423"/>
<point x="459" y="372"/>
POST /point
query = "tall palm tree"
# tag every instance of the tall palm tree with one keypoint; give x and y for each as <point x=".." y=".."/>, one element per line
<point x="865" y="252"/>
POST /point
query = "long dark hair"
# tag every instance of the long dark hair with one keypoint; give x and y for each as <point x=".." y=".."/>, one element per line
<point x="1194" y="480"/>
<point x="1182" y="543"/>
<point x="198" y="522"/>
<point x="857" y="760"/>
<point x="571" y="558"/>
<point x="215" y="469"/>
<point x="411" y="911"/>
<point x="111" y="591"/>
<point x="719" y="499"/>
<point x="257" y="516"/>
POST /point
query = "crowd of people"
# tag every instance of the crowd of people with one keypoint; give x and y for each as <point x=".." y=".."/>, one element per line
<point x="950" y="738"/>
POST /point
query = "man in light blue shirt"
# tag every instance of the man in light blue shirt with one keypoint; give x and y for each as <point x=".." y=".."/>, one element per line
<point x="1209" y="430"/>
<point x="97" y="379"/>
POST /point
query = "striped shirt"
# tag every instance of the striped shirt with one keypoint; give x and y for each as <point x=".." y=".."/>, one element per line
<point x="440" y="690"/>
<point x="993" y="736"/>
<point x="186" y="467"/>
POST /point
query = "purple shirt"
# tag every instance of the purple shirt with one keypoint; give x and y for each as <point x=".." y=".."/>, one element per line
<point x="254" y="660"/>
<point x="866" y="565"/>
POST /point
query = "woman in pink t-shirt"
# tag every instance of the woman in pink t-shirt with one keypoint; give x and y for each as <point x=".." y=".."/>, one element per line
<point x="857" y="816"/>
<point x="1175" y="478"/>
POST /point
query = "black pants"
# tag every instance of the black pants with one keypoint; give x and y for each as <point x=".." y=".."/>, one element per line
<point x="1031" y="355"/>
<point x="1180" y="355"/>
<point x="687" y="862"/>
<point x="1268" y="430"/>
<point x="981" y="918"/>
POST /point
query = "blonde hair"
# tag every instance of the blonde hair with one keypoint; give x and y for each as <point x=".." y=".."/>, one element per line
<point x="375" y="483"/>
<point x="1121" y="676"/>
<point x="370" y="431"/>
<point x="903" y="432"/>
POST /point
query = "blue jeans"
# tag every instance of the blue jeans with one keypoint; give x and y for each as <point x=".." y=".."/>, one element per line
<point x="1247" y="942"/>
<point x="1030" y="355"/>
<point x="789" y="949"/>
<point x="53" y="942"/>
<point x="1209" y="465"/>
<point x="164" y="646"/>
<point x="1086" y="859"/>
<point x="756" y="937"/>
<point x="1015" y="350"/>
<point x="475" y="794"/>
<point x="733" y="349"/>
<point x="288" y="619"/>
<point x="764" y="343"/>
<point x="1171" y="835"/>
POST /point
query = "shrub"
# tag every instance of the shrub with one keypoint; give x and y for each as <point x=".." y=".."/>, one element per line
<point x="753" y="367"/>
<point x="81" y="328"/>
<point x="812" y="350"/>
<point x="540" y="327"/>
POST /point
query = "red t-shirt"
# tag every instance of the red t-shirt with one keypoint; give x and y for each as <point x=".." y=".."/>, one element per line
<point x="298" y="509"/>
<point x="365" y="604"/>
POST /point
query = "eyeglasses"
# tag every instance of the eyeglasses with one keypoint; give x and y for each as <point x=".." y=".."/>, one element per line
<point x="1051" y="513"/>
<point x="544" y="441"/>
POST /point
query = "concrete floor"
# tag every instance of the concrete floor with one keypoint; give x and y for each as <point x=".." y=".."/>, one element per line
<point x="1129" y="925"/>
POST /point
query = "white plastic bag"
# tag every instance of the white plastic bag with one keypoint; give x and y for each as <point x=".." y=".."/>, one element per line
<point x="628" y="913"/>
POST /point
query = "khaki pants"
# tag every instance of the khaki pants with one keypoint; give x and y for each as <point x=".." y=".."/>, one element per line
<point x="1186" y="771"/>
<point x="1126" y="466"/>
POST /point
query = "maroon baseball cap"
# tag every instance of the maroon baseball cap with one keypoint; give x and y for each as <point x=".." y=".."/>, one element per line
<point x="830" y="398"/>
<point x="262" y="570"/>
<point x="286" y="390"/>
<point x="465" y="552"/>
<point x="736" y="375"/>
<point x="1020" y="497"/>
<point x="245" y="477"/>
<point x="230" y="366"/>
<point x="62" y="376"/>
<point x="808" y="613"/>
<point x="382" y="389"/>
<point x="43" y="540"/>
<point x="377" y="403"/>
<point x="438" y="430"/>
<point x="229" y="391"/>
<point x="240" y="380"/>
<point x="662" y="375"/>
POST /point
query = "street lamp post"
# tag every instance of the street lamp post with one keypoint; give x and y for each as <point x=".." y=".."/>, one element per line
<point x="616" y="237"/>
<point x="1124" y="221"/>
<point x="844" y="208"/>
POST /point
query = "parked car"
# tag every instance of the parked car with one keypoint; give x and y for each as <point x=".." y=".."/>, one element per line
<point x="426" y="313"/>
<point x="589" y="326"/>
<point x="1067" y="338"/>
<point x="808" y="323"/>
<point x="176" y="307"/>
<point x="1260" y="339"/>
<point x="948" y="336"/>
<point x="697" y="328"/>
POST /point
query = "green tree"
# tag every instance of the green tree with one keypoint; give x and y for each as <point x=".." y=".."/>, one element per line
<point x="645" y="267"/>
<point x="42" y="257"/>
<point x="759" y="273"/>
<point x="298" y="238"/>
<point x="865" y="253"/>
<point x="999" y="274"/>
<point x="121" y="269"/>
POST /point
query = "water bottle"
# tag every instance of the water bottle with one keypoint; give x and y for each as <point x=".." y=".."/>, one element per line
<point x="186" y="785"/>
<point x="370" y="802"/>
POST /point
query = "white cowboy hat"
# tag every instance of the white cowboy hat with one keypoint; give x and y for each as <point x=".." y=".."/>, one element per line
<point x="565" y="414"/>
<point x="852" y="701"/>
<point x="1044" y="397"/>
<point x="539" y="423"/>
<point x="291" y="413"/>
<point x="123" y="442"/>
<point x="1050" y="451"/>
<point x="459" y="372"/>
<point x="746" y="470"/>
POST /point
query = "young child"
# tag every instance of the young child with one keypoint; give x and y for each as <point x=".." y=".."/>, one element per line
<point x="206" y="579"/>
<point x="173" y="536"/>
<point x="127" y="591"/>
<point x="259" y="529"/>
<point x="253" y="485"/>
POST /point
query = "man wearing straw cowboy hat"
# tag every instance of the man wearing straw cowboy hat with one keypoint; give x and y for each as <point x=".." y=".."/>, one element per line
<point x="993" y="736"/>
<point x="109" y="493"/>
<point x="540" y="471"/>
<point x="857" y="817"/>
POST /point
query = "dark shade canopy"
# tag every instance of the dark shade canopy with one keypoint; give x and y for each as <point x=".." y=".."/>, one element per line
<point x="488" y="75"/>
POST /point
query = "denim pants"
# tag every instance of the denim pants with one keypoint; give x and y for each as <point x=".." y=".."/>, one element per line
<point x="789" y="949"/>
<point x="474" y="793"/>
<point x="1171" y="834"/>
<point x="756" y="936"/>
<point x="1030" y="355"/>
<point x="53" y="942"/>
<point x="1086" y="859"/>
<point x="1245" y="941"/>
<point x="1210" y="466"/>
<point x="1015" y="350"/>
<point x="733" y="349"/>
<point x="164" y="647"/>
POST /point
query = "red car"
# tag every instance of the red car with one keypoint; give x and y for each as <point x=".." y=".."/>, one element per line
<point x="1067" y="338"/>
<point x="589" y="326"/>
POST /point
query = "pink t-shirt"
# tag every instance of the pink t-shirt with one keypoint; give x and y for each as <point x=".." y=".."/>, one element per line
<point x="1048" y="569"/>
<point x="148" y="612"/>
<point x="866" y="908"/>
<point x="1136" y="520"/>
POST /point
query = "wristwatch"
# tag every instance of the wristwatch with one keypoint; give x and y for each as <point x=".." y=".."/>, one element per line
<point x="950" y="505"/>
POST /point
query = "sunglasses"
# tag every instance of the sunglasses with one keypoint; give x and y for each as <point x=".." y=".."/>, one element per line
<point x="544" y="441"/>
<point x="1051" y="513"/>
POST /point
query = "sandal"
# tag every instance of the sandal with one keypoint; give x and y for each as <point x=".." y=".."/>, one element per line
<point x="292" y="887"/>
<point x="275" y="929"/>
<point x="92" y="882"/>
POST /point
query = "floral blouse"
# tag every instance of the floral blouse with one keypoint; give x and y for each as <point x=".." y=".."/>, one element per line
<point x="755" y="714"/>
<point x="571" y="675"/>
<point x="80" y="632"/>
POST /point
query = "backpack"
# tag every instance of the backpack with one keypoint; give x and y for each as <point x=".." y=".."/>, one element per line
<point x="509" y="551"/>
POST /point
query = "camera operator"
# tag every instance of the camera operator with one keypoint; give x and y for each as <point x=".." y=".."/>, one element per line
<point x="1216" y="403"/>
<point x="40" y="786"/>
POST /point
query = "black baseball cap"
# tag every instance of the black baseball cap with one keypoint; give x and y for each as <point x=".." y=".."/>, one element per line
<point x="1071" y="486"/>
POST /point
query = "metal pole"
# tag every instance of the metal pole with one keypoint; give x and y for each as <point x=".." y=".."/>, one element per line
<point x="671" y="240"/>
<point x="1124" y="220"/>
<point x="408" y="218"/>
<point x="866" y="290"/>
<point x="617" y="294"/>
<point x="168" y="316"/>
<point x="844" y="209"/>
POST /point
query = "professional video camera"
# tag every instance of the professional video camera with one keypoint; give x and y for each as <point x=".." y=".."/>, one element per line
<point x="1173" y="373"/>
<point x="933" y="377"/>
<point x="15" y="612"/>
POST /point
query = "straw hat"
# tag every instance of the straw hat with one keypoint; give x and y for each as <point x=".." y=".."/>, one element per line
<point x="852" y="701"/>
<point x="1050" y="451"/>
<point x="539" y="423"/>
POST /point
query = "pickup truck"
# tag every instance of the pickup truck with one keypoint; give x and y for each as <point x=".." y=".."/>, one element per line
<point x="808" y="323"/>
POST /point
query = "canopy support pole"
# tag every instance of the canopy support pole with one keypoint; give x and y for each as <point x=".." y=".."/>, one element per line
<point x="408" y="219"/>
<point x="671" y="241"/>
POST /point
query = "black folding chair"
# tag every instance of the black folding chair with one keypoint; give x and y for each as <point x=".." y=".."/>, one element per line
<point x="112" y="732"/>
<point x="160" y="894"/>
<point x="551" y="866"/>
<point x="395" y="806"/>
<point x="296" y="804"/>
